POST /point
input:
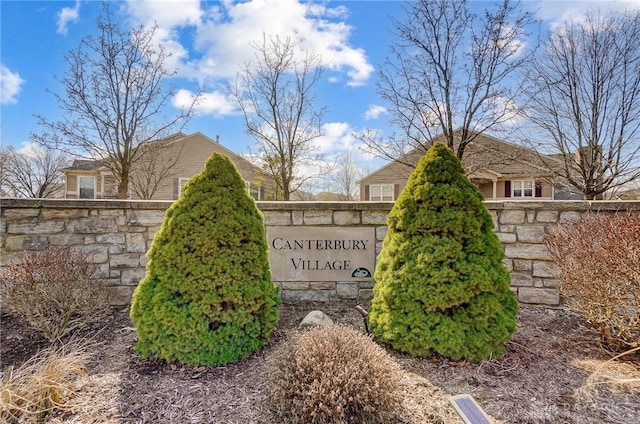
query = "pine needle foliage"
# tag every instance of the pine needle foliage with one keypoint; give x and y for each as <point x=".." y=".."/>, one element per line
<point x="440" y="285"/>
<point x="207" y="297"/>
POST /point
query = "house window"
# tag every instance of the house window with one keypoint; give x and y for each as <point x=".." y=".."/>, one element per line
<point x="523" y="188"/>
<point x="381" y="192"/>
<point x="181" y="182"/>
<point x="86" y="187"/>
<point x="253" y="189"/>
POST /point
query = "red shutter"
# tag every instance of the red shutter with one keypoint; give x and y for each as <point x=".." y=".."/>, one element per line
<point x="507" y="188"/>
<point x="538" y="189"/>
<point x="396" y="191"/>
<point x="366" y="192"/>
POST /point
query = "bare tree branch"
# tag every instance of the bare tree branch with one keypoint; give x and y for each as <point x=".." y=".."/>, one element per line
<point x="275" y="94"/>
<point x="115" y="98"/>
<point x="584" y="92"/>
<point x="449" y="73"/>
<point x="35" y="174"/>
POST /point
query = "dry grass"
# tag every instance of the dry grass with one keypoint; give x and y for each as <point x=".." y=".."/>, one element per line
<point x="618" y="376"/>
<point x="43" y="384"/>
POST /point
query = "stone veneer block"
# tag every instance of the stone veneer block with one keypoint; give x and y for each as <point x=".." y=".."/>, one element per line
<point x="13" y="243"/>
<point x="93" y="225"/>
<point x="297" y="217"/>
<point x="318" y="218"/>
<point x="521" y="265"/>
<point x="531" y="234"/>
<point x="306" y="295"/>
<point x="506" y="237"/>
<point x="67" y="239"/>
<point x="569" y="216"/>
<point x="527" y="251"/>
<point x="547" y="217"/>
<point x="346" y="217"/>
<point x="322" y="285"/>
<point x="145" y="217"/>
<point x="381" y="232"/>
<point x="277" y="218"/>
<point x="95" y="253"/>
<point x="545" y="269"/>
<point x="374" y="218"/>
<point x="521" y="279"/>
<point x="365" y="294"/>
<point x="125" y="260"/>
<point x="131" y="277"/>
<point x="22" y="213"/>
<point x="294" y="285"/>
<point x="65" y="213"/>
<point x="136" y="242"/>
<point x="116" y="238"/>
<point x="347" y="290"/>
<point x="43" y="227"/>
<point x="512" y="217"/>
<point x="539" y="296"/>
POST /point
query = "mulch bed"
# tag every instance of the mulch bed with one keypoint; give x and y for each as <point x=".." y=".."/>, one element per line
<point x="551" y="355"/>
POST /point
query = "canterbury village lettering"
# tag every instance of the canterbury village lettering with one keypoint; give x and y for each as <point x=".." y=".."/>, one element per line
<point x="321" y="253"/>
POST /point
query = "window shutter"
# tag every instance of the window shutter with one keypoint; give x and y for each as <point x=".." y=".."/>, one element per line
<point x="507" y="188"/>
<point x="176" y="188"/>
<point x="396" y="191"/>
<point x="366" y="192"/>
<point x="261" y="193"/>
<point x="538" y="189"/>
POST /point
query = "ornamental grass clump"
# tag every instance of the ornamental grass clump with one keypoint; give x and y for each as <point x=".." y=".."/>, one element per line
<point x="440" y="285"/>
<point x="207" y="297"/>
<point x="333" y="375"/>
<point x="44" y="384"/>
<point x="56" y="290"/>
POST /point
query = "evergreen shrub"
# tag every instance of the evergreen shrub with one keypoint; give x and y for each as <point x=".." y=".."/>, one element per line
<point x="207" y="297"/>
<point x="333" y="375"/>
<point x="440" y="285"/>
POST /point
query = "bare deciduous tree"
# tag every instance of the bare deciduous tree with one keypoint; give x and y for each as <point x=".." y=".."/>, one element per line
<point x="34" y="174"/>
<point x="345" y="176"/>
<point x="585" y="96"/>
<point x="116" y="93"/>
<point x="449" y="73"/>
<point x="275" y="94"/>
<point x="157" y="164"/>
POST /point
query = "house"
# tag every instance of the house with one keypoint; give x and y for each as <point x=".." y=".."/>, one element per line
<point x="500" y="169"/>
<point x="163" y="168"/>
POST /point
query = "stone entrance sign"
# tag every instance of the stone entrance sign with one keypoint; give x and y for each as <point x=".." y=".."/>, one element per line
<point x="321" y="253"/>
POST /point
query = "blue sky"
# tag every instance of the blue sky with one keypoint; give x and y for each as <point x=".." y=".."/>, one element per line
<point x="209" y="39"/>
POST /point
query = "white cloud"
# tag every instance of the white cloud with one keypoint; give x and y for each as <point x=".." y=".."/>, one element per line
<point x="223" y="34"/>
<point x="66" y="15"/>
<point x="374" y="112"/>
<point x="212" y="103"/>
<point x="10" y="85"/>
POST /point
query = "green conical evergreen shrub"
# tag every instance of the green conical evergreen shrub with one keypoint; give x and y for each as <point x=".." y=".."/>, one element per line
<point x="440" y="285"/>
<point x="207" y="297"/>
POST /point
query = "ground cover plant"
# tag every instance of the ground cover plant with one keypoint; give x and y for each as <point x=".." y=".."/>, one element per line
<point x="440" y="285"/>
<point x="207" y="297"/>
<point x="598" y="262"/>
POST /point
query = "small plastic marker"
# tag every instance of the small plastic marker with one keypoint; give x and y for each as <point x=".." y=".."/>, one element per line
<point x="469" y="410"/>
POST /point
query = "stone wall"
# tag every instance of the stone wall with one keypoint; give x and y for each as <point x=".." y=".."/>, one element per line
<point x="116" y="234"/>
